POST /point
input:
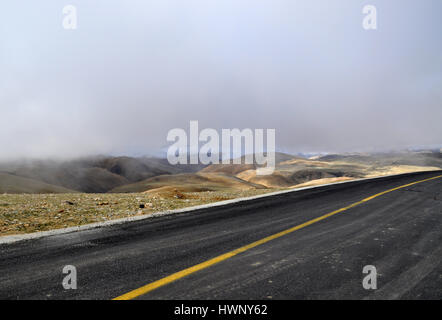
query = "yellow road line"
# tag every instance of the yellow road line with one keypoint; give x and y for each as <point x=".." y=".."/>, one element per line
<point x="183" y="273"/>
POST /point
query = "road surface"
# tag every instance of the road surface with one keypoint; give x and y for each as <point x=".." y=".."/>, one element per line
<point x="280" y="257"/>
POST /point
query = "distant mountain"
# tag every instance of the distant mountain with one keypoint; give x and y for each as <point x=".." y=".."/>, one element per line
<point x="133" y="169"/>
<point x="190" y="182"/>
<point x="95" y="174"/>
<point x="231" y="169"/>
<point x="126" y="174"/>
<point x="235" y="169"/>
<point x="13" y="184"/>
<point x="421" y="158"/>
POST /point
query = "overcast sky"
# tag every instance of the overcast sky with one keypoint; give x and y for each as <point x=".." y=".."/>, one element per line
<point x="133" y="70"/>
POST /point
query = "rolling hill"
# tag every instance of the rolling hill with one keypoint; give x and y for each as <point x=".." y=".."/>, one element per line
<point x="13" y="184"/>
<point x="190" y="182"/>
<point x="94" y="174"/>
<point x="126" y="174"/>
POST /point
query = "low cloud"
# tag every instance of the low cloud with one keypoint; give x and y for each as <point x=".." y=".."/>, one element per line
<point x="134" y="70"/>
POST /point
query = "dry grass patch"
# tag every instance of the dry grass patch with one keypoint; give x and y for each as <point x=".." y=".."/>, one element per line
<point x="25" y="213"/>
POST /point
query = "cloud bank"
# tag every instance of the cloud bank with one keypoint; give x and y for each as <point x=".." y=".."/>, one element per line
<point x="133" y="70"/>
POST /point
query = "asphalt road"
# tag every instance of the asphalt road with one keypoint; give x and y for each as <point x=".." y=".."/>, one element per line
<point x="400" y="233"/>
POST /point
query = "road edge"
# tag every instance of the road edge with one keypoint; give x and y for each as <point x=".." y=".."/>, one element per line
<point x="41" y="234"/>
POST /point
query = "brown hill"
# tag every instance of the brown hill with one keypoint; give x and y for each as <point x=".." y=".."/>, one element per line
<point x="14" y="184"/>
<point x="235" y="169"/>
<point x="190" y="182"/>
<point x="134" y="169"/>
<point x="89" y="179"/>
<point x="102" y="174"/>
<point x="95" y="174"/>
<point x="231" y="169"/>
<point x="275" y="180"/>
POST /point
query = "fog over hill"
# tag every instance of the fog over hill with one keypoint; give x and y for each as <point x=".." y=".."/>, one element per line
<point x="94" y="174"/>
<point x="126" y="174"/>
<point x="130" y="73"/>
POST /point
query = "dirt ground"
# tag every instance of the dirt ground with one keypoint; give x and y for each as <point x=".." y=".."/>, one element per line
<point x="25" y="213"/>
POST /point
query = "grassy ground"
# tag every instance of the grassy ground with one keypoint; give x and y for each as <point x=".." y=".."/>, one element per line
<point x="25" y="213"/>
